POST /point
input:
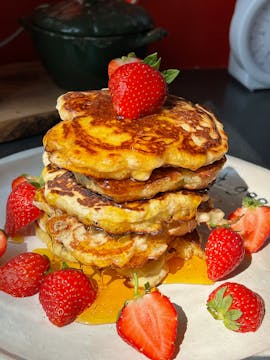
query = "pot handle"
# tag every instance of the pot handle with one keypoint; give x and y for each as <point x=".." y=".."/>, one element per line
<point x="150" y="37"/>
<point x="25" y="23"/>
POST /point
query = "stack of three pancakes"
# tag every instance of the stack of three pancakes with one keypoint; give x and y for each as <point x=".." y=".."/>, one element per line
<point x="126" y="193"/>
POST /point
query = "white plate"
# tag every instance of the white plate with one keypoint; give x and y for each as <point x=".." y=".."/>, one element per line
<point x="26" y="333"/>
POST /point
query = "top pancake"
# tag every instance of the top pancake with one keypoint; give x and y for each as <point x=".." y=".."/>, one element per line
<point x="94" y="141"/>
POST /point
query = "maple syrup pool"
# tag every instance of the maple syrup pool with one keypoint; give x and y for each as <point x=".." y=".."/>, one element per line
<point x="112" y="291"/>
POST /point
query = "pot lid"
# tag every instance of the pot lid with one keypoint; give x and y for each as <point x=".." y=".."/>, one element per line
<point x="92" y="18"/>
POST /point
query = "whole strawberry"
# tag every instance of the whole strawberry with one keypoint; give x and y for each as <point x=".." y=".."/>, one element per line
<point x="241" y="309"/>
<point x="23" y="274"/>
<point x="65" y="294"/>
<point x="224" y="252"/>
<point x="20" y="210"/>
<point x="149" y="324"/>
<point x="252" y="222"/>
<point x="139" y="88"/>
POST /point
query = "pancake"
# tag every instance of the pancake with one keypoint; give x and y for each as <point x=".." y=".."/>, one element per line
<point x="152" y="216"/>
<point x="94" y="247"/>
<point x="153" y="272"/>
<point x="172" y="227"/>
<point x="69" y="240"/>
<point x="93" y="141"/>
<point x="161" y="180"/>
<point x="55" y="247"/>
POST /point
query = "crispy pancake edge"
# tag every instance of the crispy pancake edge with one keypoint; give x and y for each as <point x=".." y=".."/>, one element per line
<point x="145" y="216"/>
<point x="92" y="141"/>
<point x="161" y="180"/>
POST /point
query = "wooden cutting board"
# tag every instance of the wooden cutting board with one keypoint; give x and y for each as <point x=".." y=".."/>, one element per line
<point x="27" y="101"/>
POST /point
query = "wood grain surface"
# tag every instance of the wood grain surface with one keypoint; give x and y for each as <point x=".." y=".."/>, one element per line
<point x="27" y="101"/>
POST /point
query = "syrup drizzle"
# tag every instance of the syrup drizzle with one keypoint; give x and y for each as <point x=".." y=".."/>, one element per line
<point x="113" y="291"/>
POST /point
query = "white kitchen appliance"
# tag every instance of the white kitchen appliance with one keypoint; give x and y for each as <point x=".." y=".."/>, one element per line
<point x="249" y="60"/>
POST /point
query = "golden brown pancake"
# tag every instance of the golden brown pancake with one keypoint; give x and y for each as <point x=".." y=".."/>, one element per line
<point x="94" y="247"/>
<point x="71" y="241"/>
<point x="94" y="141"/>
<point x="153" y="272"/>
<point x="61" y="191"/>
<point x="170" y="228"/>
<point x="161" y="180"/>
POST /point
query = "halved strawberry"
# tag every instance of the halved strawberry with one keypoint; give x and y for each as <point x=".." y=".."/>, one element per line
<point x="252" y="222"/>
<point x="20" y="210"/>
<point x="149" y="324"/>
<point x="116" y="63"/>
<point x="3" y="242"/>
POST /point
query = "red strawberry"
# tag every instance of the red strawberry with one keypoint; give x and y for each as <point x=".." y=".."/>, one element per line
<point x="252" y="222"/>
<point x="18" y="180"/>
<point x="65" y="294"/>
<point x="149" y="324"/>
<point x="23" y="274"/>
<point x="224" y="252"/>
<point x="240" y="308"/>
<point x="138" y="88"/>
<point x="20" y="210"/>
<point x="34" y="180"/>
<point x="116" y="63"/>
<point x="3" y="242"/>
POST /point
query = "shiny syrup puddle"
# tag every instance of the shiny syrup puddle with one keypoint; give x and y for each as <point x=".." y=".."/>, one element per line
<point x="112" y="292"/>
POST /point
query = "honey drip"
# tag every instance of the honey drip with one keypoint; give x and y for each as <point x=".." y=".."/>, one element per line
<point x="192" y="271"/>
<point x="111" y="296"/>
<point x="18" y="239"/>
<point x="113" y="291"/>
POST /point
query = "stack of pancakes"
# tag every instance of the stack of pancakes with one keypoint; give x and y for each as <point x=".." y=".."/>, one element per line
<point x="126" y="193"/>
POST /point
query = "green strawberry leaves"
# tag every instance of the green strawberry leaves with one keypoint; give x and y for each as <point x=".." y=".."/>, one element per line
<point x="230" y="319"/>
<point x="170" y="75"/>
<point x="219" y="308"/>
<point x="154" y="61"/>
<point x="34" y="180"/>
<point x="251" y="202"/>
<point x="128" y="56"/>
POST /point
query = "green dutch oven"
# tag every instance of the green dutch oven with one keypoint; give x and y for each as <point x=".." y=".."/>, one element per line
<point x="76" y="39"/>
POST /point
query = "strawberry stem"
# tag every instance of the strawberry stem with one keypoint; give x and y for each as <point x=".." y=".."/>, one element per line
<point x="136" y="285"/>
<point x="128" y="56"/>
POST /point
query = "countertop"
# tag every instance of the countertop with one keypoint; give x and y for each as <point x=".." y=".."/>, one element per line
<point x="244" y="114"/>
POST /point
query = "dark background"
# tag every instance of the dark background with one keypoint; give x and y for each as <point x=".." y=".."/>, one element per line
<point x="198" y="31"/>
